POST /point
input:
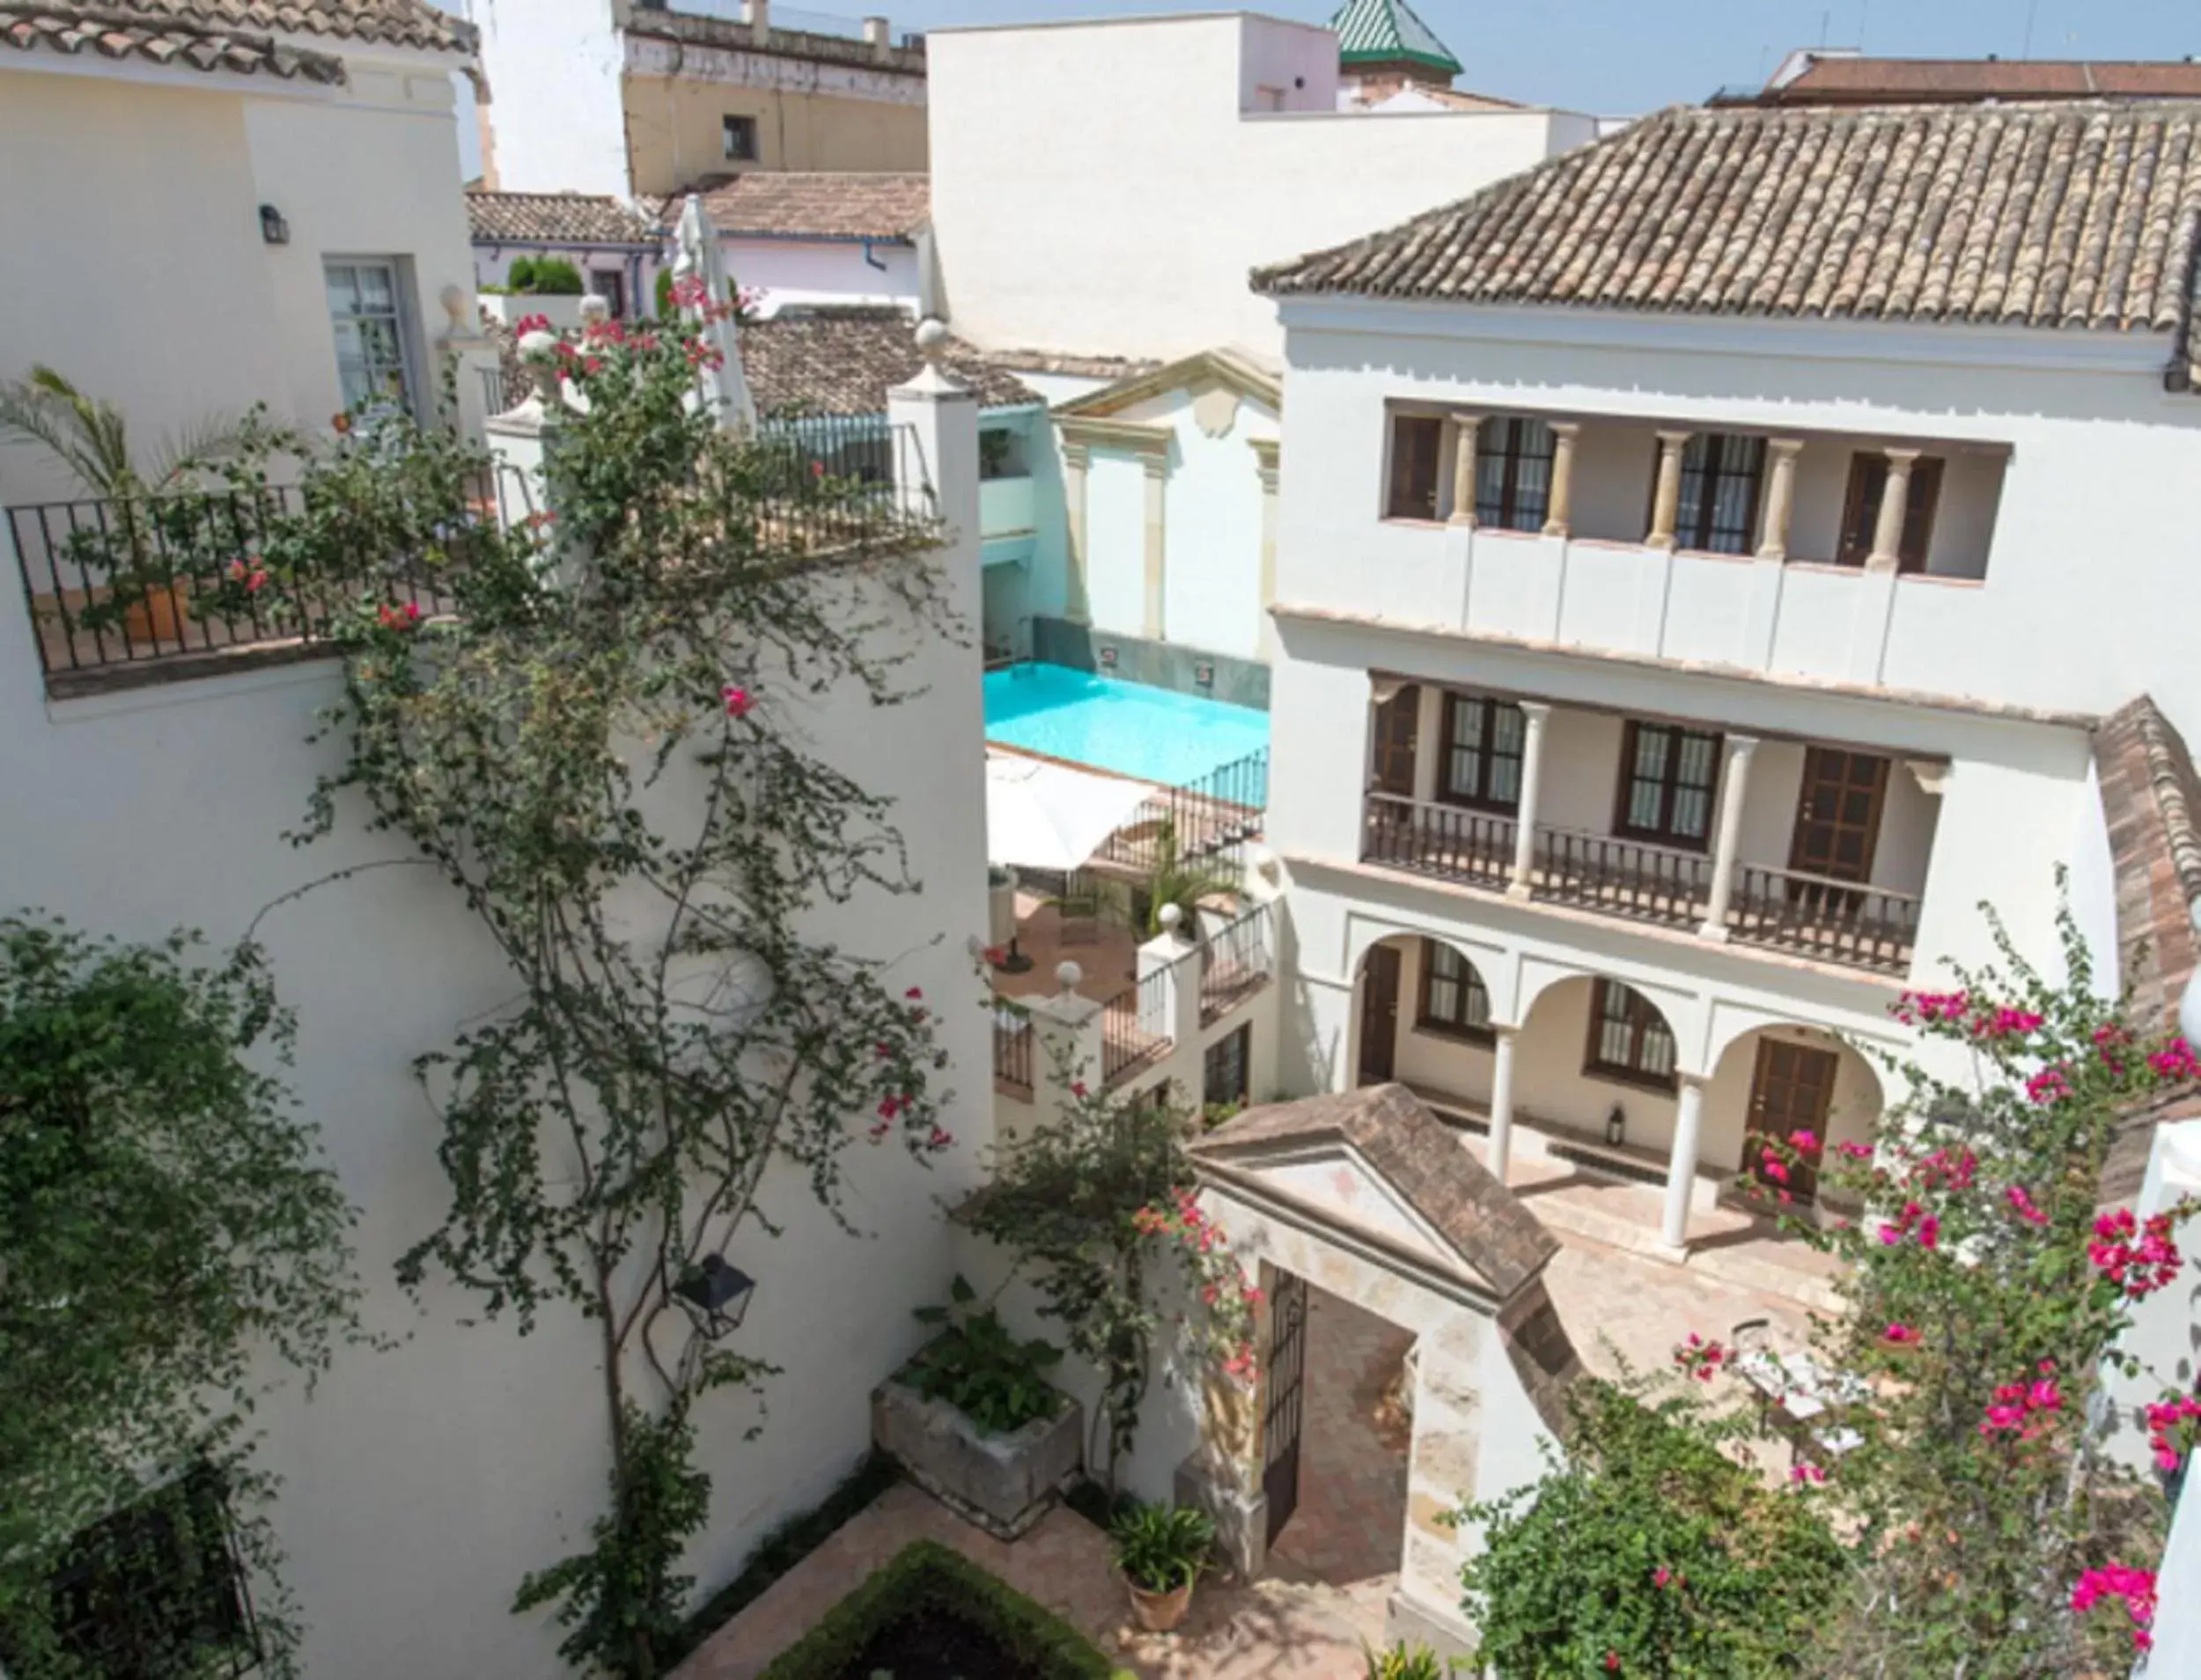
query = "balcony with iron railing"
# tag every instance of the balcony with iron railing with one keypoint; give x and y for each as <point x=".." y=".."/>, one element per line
<point x="124" y="591"/>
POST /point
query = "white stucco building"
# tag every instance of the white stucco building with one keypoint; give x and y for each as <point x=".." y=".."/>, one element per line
<point x="160" y="768"/>
<point x="299" y="194"/>
<point x="1106" y="263"/>
<point x="1693" y="601"/>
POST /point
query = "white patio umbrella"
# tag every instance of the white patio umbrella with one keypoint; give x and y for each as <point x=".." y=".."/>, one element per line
<point x="1049" y="816"/>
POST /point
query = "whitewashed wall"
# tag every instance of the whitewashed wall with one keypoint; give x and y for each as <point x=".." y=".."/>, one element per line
<point x="421" y="1484"/>
<point x="1061" y="232"/>
<point x="178" y="166"/>
<point x="792" y="273"/>
<point x="554" y="68"/>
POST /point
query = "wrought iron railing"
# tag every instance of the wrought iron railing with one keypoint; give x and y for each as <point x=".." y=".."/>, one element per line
<point x="842" y="483"/>
<point x="1134" y="1028"/>
<point x="1443" y="840"/>
<point x="1011" y="1047"/>
<point x="1211" y="817"/>
<point x="1645" y="883"/>
<point x="1234" y="963"/>
<point x="121" y="583"/>
<point x="1836" y="921"/>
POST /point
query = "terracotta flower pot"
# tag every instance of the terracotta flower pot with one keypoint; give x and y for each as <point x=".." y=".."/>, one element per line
<point x="1161" y="1612"/>
<point x="157" y="615"/>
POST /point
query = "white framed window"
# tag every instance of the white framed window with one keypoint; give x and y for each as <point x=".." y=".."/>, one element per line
<point x="367" y="315"/>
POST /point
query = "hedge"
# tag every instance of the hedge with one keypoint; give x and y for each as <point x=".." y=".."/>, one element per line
<point x="926" y="1575"/>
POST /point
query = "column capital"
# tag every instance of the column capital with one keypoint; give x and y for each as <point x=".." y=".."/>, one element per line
<point x="1684" y="1083"/>
<point x="1788" y="447"/>
<point x="1535" y="711"/>
<point x="1076" y="456"/>
<point x="1503" y="1029"/>
<point x="1742" y="746"/>
<point x="1565" y="428"/>
<point x="1673" y="438"/>
<point x="1902" y="457"/>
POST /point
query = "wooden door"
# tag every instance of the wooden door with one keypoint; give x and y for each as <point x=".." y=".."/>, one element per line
<point x="1287" y="1400"/>
<point x="1838" y="813"/>
<point x="1860" y="510"/>
<point x="1378" y="1014"/>
<point x="1792" y="1090"/>
<point x="1398" y="729"/>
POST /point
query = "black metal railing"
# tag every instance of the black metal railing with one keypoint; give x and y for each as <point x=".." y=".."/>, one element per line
<point x="1211" y="817"/>
<point x="1134" y="1028"/>
<point x="115" y="584"/>
<point x="1445" y="840"/>
<point x="1836" y="921"/>
<point x="1644" y="883"/>
<point x="1234" y="963"/>
<point x="842" y="483"/>
<point x="1011" y="1047"/>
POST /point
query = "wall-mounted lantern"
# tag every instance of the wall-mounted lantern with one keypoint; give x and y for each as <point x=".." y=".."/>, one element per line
<point x="1107" y="659"/>
<point x="273" y="228"/>
<point x="1616" y="1126"/>
<point x="716" y="1296"/>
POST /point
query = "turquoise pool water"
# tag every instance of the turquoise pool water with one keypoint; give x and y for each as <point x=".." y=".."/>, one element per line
<point x="1151" y="733"/>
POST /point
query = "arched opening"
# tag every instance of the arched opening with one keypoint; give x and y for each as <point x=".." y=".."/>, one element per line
<point x="1599" y="1060"/>
<point x="1776" y="1080"/>
<point x="1421" y="1014"/>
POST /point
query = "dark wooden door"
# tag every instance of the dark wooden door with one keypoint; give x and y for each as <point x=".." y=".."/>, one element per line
<point x="1397" y="727"/>
<point x="1860" y="510"/>
<point x="1792" y="1090"/>
<point x="1838" y="813"/>
<point x="1287" y="1400"/>
<point x="1378" y="1014"/>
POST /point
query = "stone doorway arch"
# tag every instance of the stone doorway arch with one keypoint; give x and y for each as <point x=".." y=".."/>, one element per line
<point x="1368" y="1196"/>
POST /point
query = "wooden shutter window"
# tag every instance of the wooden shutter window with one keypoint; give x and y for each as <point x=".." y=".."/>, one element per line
<point x="1668" y="778"/>
<point x="1720" y="472"/>
<point x="1481" y="755"/>
<point x="1416" y="441"/>
<point x="1454" y="1000"/>
<point x="1513" y="473"/>
<point x="1629" y="1038"/>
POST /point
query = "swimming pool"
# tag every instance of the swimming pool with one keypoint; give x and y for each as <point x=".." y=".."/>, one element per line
<point x="1153" y="734"/>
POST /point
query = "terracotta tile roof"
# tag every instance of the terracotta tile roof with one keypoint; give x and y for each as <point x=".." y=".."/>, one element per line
<point x="845" y="362"/>
<point x="1070" y="364"/>
<point x="2052" y="215"/>
<point x="1849" y="80"/>
<point x="2151" y="799"/>
<point x="1494" y="1232"/>
<point x="149" y="34"/>
<point x="788" y="204"/>
<point x="562" y="219"/>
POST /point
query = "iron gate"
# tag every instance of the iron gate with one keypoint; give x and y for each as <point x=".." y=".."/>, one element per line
<point x="1287" y="1400"/>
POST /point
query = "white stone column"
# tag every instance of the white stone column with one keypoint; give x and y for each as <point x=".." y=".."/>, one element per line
<point x="1538" y="714"/>
<point x="1066" y="1046"/>
<point x="1734" y="784"/>
<point x="1077" y="607"/>
<point x="934" y="418"/>
<point x="1780" y="497"/>
<point x="1681" y="1167"/>
<point x="1429" y="740"/>
<point x="1895" y="504"/>
<point x="1559" y="509"/>
<point x="1157" y="568"/>
<point x="1666" y="499"/>
<point x="1466" y="428"/>
<point x="1267" y="452"/>
<point x="1502" y="1100"/>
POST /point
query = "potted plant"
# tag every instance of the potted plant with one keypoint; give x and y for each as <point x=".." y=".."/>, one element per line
<point x="1161" y="1550"/>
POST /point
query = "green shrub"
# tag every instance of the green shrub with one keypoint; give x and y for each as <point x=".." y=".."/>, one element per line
<point x="1402" y="1661"/>
<point x="521" y="276"/>
<point x="978" y="1367"/>
<point x="927" y="1576"/>
<point x="1161" y="1548"/>
<point x="556" y="277"/>
<point x="666" y="312"/>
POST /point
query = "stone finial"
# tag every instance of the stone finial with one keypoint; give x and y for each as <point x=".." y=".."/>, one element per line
<point x="455" y="300"/>
<point x="932" y="341"/>
<point x="1170" y="917"/>
<point x="595" y="309"/>
<point x="1067" y="975"/>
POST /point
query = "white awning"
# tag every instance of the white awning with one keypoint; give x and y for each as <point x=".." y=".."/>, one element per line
<point x="1049" y="816"/>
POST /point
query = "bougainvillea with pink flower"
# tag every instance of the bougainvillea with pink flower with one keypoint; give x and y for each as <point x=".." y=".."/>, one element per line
<point x="1100" y="1207"/>
<point x="1981" y="1293"/>
<point x="590" y="717"/>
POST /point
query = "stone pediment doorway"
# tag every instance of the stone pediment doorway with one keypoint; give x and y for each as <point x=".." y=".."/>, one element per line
<point x="1382" y="1245"/>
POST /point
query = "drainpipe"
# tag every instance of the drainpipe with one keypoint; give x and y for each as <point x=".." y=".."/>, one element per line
<point x="870" y="262"/>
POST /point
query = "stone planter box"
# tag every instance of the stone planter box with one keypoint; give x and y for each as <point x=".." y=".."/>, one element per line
<point x="1002" y="1482"/>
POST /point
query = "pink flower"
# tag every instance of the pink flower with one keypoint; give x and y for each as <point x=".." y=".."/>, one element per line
<point x="1804" y="1142"/>
<point x="914" y="993"/>
<point x="1661" y="1575"/>
<point x="688" y="292"/>
<point x="1890" y="1235"/>
<point x="2135" y="1587"/>
<point x="2139" y="1260"/>
<point x="2021" y="1205"/>
<point x="1854" y="1151"/>
<point x="889" y="1107"/>
<point x="2048" y="1086"/>
<point x="1900" y="1334"/>
<point x="940" y="1139"/>
<point x="1929" y="1232"/>
<point x="398" y="618"/>
<point x="2164" y="1419"/>
<point x="1077" y="1089"/>
<point x="525" y="324"/>
<point x="1804" y="1474"/>
<point x="1612" y="1662"/>
<point x="1770" y="1164"/>
<point x="886" y="1051"/>
<point x="2176" y="1061"/>
<point x="737" y="699"/>
<point x="880" y="1131"/>
<point x="2022" y="1409"/>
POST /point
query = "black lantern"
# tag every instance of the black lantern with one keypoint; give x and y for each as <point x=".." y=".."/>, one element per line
<point x="273" y="228"/>
<point x="1616" y="1126"/>
<point x="716" y="1296"/>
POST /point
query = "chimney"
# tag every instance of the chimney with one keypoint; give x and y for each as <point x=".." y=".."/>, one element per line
<point x="881" y="37"/>
<point x="760" y="17"/>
